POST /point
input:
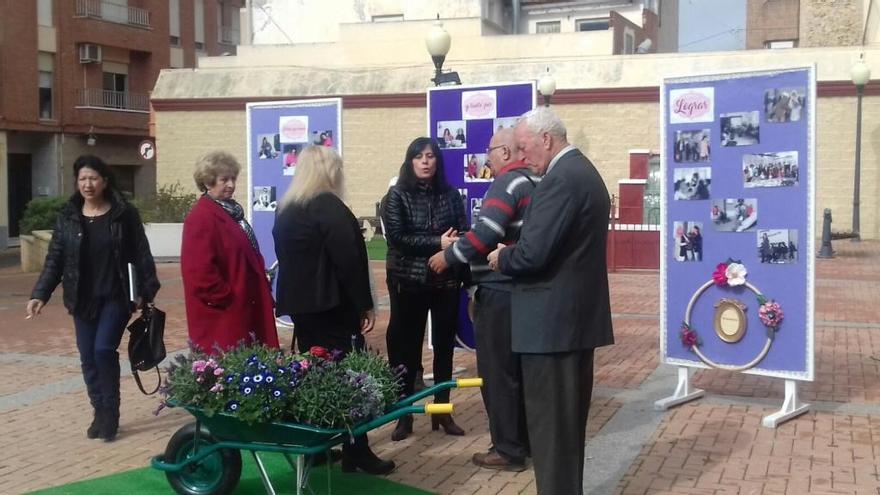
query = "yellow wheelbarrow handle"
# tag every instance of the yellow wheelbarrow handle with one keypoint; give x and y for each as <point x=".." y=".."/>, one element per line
<point x="469" y="382"/>
<point x="438" y="408"/>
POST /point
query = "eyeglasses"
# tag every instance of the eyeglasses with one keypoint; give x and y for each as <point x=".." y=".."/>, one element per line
<point x="489" y="149"/>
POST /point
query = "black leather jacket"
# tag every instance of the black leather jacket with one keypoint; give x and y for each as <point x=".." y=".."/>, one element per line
<point x="414" y="220"/>
<point x="130" y="245"/>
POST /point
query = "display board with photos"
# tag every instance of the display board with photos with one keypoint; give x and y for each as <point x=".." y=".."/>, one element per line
<point x="276" y="134"/>
<point x="462" y="119"/>
<point x="738" y="222"/>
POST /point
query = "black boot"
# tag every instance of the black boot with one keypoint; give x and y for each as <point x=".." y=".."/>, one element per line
<point x="110" y="423"/>
<point x="94" y="430"/>
<point x="358" y="455"/>
<point x="403" y="428"/>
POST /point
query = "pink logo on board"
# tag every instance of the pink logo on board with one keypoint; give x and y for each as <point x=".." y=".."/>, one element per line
<point x="479" y="104"/>
<point x="691" y="105"/>
<point x="294" y="129"/>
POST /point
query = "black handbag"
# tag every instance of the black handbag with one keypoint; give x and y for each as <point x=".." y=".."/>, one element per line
<point x="146" y="345"/>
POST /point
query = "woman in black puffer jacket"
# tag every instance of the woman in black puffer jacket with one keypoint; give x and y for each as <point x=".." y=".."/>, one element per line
<point x="96" y="236"/>
<point x="422" y="215"/>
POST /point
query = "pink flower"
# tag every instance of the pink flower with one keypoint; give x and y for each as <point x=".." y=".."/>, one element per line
<point x="218" y="387"/>
<point x="199" y="366"/>
<point x="218" y="371"/>
<point x="719" y="276"/>
<point x="771" y="314"/>
<point x="305" y="364"/>
<point x="688" y="336"/>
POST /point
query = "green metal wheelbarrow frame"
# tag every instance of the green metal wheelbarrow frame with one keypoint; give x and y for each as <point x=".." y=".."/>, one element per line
<point x="290" y="439"/>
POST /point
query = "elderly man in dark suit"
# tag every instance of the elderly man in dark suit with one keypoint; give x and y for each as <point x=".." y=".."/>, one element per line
<point x="560" y="304"/>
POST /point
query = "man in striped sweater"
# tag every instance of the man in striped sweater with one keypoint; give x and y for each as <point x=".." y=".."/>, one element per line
<point x="500" y="220"/>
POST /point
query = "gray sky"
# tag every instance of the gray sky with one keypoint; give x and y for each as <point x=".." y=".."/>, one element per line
<point x="711" y="25"/>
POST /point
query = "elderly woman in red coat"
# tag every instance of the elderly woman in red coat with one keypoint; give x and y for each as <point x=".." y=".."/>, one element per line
<point x="227" y="295"/>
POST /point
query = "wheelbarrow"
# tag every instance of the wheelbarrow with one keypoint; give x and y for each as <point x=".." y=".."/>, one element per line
<point x="204" y="457"/>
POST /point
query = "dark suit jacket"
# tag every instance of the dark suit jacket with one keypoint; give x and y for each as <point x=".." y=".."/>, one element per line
<point x="560" y="300"/>
<point x="322" y="258"/>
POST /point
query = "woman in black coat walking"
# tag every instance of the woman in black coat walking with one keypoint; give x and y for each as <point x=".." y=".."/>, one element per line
<point x="97" y="235"/>
<point x="422" y="215"/>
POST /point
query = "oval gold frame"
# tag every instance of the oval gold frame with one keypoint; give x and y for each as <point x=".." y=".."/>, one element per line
<point x="726" y="307"/>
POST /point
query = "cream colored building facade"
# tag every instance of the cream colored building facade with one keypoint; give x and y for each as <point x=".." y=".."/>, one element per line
<point x="609" y="103"/>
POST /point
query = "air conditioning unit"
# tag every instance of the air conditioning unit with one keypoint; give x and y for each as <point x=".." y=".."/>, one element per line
<point x="89" y="53"/>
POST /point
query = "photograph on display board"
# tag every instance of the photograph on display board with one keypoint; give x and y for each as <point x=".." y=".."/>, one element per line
<point x="504" y="123"/>
<point x="734" y="215"/>
<point x="269" y="146"/>
<point x="264" y="198"/>
<point x="452" y="134"/>
<point x="778" y="246"/>
<point x="692" y="183"/>
<point x="692" y="146"/>
<point x="323" y="138"/>
<point x="688" y="238"/>
<point x="476" y="204"/>
<point x="784" y="104"/>
<point x="475" y="168"/>
<point x="291" y="155"/>
<point x="770" y="169"/>
<point x="740" y="128"/>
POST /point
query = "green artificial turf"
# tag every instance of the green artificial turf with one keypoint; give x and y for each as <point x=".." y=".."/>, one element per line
<point x="147" y="481"/>
<point x="377" y="248"/>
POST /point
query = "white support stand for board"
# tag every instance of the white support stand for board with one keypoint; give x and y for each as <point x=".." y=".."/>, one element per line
<point x="791" y="407"/>
<point x="683" y="391"/>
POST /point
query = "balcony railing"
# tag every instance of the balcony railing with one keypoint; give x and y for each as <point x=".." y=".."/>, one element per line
<point x="112" y="12"/>
<point x="228" y="35"/>
<point x="112" y="100"/>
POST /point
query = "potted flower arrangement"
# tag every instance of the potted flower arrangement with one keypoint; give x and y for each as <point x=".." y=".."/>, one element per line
<point x="256" y="384"/>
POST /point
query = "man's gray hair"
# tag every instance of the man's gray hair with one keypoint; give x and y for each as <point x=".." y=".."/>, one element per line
<point x="541" y="120"/>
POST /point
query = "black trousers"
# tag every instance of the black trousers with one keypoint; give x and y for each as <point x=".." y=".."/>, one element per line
<point x="500" y="369"/>
<point x="557" y="390"/>
<point x="406" y="332"/>
<point x="338" y="328"/>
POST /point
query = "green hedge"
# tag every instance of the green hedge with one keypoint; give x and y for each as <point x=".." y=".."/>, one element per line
<point x="41" y="214"/>
<point x="169" y="205"/>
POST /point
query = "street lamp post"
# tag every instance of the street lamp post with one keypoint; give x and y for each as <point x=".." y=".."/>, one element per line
<point x="547" y="86"/>
<point x="861" y="74"/>
<point x="438" y="42"/>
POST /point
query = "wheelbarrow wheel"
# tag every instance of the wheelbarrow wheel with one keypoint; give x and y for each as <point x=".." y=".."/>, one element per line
<point x="216" y="474"/>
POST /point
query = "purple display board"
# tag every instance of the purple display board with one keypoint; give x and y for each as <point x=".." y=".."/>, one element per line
<point x="738" y="169"/>
<point x="276" y="132"/>
<point x="463" y="119"/>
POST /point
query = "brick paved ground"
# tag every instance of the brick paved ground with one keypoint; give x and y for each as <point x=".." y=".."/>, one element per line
<point x="713" y="446"/>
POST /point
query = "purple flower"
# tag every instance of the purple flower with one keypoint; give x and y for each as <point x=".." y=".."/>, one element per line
<point x="258" y="378"/>
<point x="269" y="378"/>
<point x="246" y="389"/>
<point x="277" y="393"/>
<point x="232" y="406"/>
<point x="230" y="378"/>
<point x="245" y="379"/>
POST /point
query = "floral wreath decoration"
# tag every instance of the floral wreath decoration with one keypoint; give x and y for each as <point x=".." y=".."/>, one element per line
<point x="732" y="273"/>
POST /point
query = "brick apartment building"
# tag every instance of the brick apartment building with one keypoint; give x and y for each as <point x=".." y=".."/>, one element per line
<point x="75" y="78"/>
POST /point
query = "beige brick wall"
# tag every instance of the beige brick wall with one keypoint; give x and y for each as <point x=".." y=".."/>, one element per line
<point x="182" y="137"/>
<point x="374" y="145"/>
<point x="375" y="141"/>
<point x="830" y="23"/>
